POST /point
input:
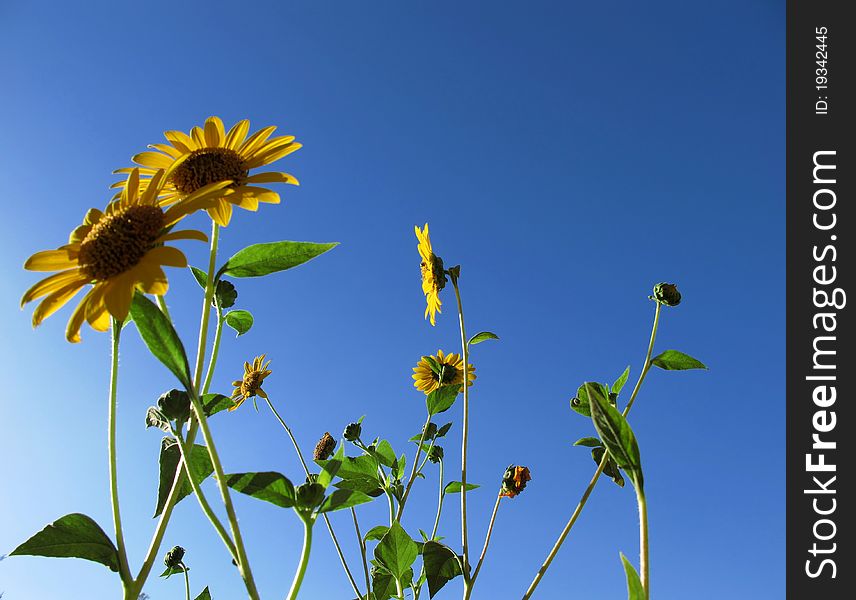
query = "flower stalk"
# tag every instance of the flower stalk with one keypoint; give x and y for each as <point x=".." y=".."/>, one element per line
<point x="308" y="522"/>
<point x="124" y="571"/>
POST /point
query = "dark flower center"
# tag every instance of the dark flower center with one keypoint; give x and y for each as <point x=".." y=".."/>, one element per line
<point x="252" y="383"/>
<point x="118" y="242"/>
<point x="208" y="165"/>
<point x="447" y="374"/>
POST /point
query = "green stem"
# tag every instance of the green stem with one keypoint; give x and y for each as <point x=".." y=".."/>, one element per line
<point x="162" y="305"/>
<point x="215" y="350"/>
<point x="243" y="562"/>
<point x="413" y="470"/>
<point x="304" y="557"/>
<point x="644" y="571"/>
<point x="441" y="495"/>
<point x="341" y="554"/>
<point x="362" y="544"/>
<point x="486" y="542"/>
<point x="206" y="307"/>
<point x="465" y="551"/>
<point x="581" y="504"/>
<point x="186" y="581"/>
<point x="124" y="571"/>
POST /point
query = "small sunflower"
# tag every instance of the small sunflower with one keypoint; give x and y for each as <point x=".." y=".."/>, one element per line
<point x="251" y="385"/>
<point x="514" y="480"/>
<point x="210" y="154"/>
<point x="433" y="276"/>
<point x="116" y="251"/>
<point x="441" y="369"/>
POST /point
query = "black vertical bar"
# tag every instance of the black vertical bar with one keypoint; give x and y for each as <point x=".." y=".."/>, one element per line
<point x="821" y="418"/>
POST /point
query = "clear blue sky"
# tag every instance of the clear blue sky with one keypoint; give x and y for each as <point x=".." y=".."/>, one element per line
<point x="569" y="156"/>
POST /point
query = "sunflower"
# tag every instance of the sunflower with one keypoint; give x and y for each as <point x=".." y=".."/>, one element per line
<point x="116" y="251"/>
<point x="251" y="385"/>
<point x="433" y="276"/>
<point x="441" y="369"/>
<point x="514" y="481"/>
<point x="210" y="154"/>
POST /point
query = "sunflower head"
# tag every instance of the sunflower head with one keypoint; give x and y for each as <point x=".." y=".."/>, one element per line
<point x="251" y="384"/>
<point x="514" y="480"/>
<point x="211" y="156"/>
<point x="432" y="372"/>
<point x="174" y="557"/>
<point x="325" y="446"/>
<point x="117" y="251"/>
<point x="433" y="274"/>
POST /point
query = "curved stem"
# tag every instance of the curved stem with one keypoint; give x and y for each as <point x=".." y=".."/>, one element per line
<point x="326" y="518"/>
<point x="440" y="497"/>
<point x="362" y="544"/>
<point x="304" y="558"/>
<point x="243" y="563"/>
<point x="464" y="436"/>
<point x="215" y="350"/>
<point x="644" y="573"/>
<point x="581" y="504"/>
<point x="413" y="470"/>
<point x="486" y="542"/>
<point x="124" y="571"/>
<point x="186" y="581"/>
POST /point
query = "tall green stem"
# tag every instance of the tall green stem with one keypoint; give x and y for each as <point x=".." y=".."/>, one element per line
<point x="215" y="350"/>
<point x="644" y="569"/>
<point x="124" y="571"/>
<point x="413" y="470"/>
<point x="464" y="436"/>
<point x="581" y="504"/>
<point x="186" y="581"/>
<point x="440" y="497"/>
<point x="362" y="544"/>
<point x="206" y="307"/>
<point x="326" y="518"/>
<point x="304" y="558"/>
<point x="486" y="542"/>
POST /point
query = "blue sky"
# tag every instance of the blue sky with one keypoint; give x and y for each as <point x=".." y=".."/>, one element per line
<point x="568" y="156"/>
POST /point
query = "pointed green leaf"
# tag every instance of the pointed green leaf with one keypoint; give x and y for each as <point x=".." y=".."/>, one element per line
<point x="482" y="337"/>
<point x="581" y="404"/>
<point x="672" y="360"/>
<point x="454" y="487"/>
<point x="396" y="551"/>
<point x="615" y="432"/>
<point x="160" y="337"/>
<point x="331" y="467"/>
<point x="376" y="533"/>
<point x="170" y="458"/>
<point x="610" y="469"/>
<point x="444" y="430"/>
<point x="72" y="536"/>
<point x="442" y="399"/>
<point x="619" y="383"/>
<point x="214" y="403"/>
<point x="383" y="585"/>
<point x="385" y="453"/>
<point x="239" y="320"/>
<point x="268" y="486"/>
<point x="204" y="595"/>
<point x="343" y="499"/>
<point x="441" y="565"/>
<point x="635" y="591"/>
<point x="175" y="570"/>
<point x="590" y="442"/>
<point x="263" y="259"/>
<point x="200" y="276"/>
<point x="155" y="418"/>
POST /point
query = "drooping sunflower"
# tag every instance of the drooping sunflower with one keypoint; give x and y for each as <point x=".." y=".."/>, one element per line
<point x="251" y="384"/>
<point x="514" y="481"/>
<point x="117" y="251"/>
<point x="433" y="275"/>
<point x="441" y="369"/>
<point x="209" y="154"/>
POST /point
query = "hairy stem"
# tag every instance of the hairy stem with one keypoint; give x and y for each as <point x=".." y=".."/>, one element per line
<point x="124" y="571"/>
<point x="362" y="544"/>
<point x="186" y="581"/>
<point x="413" y="470"/>
<point x="304" y="558"/>
<point x="486" y="542"/>
<point x="215" y="350"/>
<point x="644" y="571"/>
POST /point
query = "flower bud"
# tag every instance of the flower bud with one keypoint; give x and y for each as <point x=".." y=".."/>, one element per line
<point x="309" y="495"/>
<point x="225" y="294"/>
<point x="436" y="454"/>
<point x="514" y="480"/>
<point x="352" y="432"/>
<point x="667" y="293"/>
<point x="324" y="447"/>
<point x="175" y="404"/>
<point x="173" y="557"/>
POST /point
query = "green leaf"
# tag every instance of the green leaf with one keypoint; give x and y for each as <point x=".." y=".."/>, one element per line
<point x="590" y="442"/>
<point x="331" y="467"/>
<point x="580" y="403"/>
<point x="610" y="469"/>
<point x="482" y="337"/>
<point x="399" y="466"/>
<point x="204" y="595"/>
<point x="396" y="551"/>
<point x="155" y="418"/>
<point x="214" y="403"/>
<point x="359" y="467"/>
<point x="376" y="533"/>
<point x="170" y="458"/>
<point x="619" y="383"/>
<point x="615" y="432"/>
<point x="366" y="486"/>
<point x="175" y="570"/>
<point x="385" y="453"/>
<point x="635" y="591"/>
<point x="454" y="487"/>
<point x="442" y="399"/>
<point x="263" y="259"/>
<point x="343" y="499"/>
<point x="239" y="320"/>
<point x="383" y="585"/>
<point x="444" y="430"/>
<point x="160" y="337"/>
<point x="268" y="486"/>
<point x="72" y="536"/>
<point x="200" y="276"/>
<point x="672" y="360"/>
<point x="441" y="566"/>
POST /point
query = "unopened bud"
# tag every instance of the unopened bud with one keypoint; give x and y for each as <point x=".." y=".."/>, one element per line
<point x="436" y="454"/>
<point x="352" y="432"/>
<point x="173" y="557"/>
<point x="667" y="293"/>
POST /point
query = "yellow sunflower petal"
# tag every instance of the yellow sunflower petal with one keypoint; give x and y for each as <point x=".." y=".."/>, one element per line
<point x="182" y="142"/>
<point x="221" y="213"/>
<point x="165" y="255"/>
<point x="155" y="160"/>
<point x="52" y="284"/>
<point x="51" y="260"/>
<point x="198" y="136"/>
<point x="256" y="140"/>
<point x="269" y="156"/>
<point x="166" y="149"/>
<point x="96" y="311"/>
<point x="272" y="177"/>
<point x="184" y="234"/>
<point x="237" y="134"/>
<point x="72" y="330"/>
<point x="151" y="279"/>
<point x="214" y="132"/>
<point x="117" y="296"/>
<point x="56" y="300"/>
